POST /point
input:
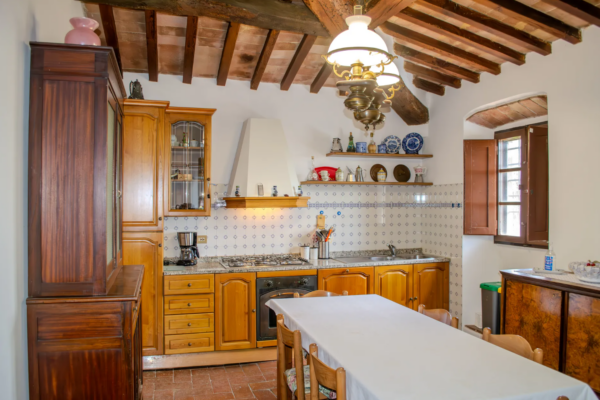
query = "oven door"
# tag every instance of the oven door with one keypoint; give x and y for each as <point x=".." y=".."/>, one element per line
<point x="267" y="320"/>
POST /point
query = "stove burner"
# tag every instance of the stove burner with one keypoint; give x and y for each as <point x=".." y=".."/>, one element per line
<point x="186" y="263"/>
<point x="262" y="261"/>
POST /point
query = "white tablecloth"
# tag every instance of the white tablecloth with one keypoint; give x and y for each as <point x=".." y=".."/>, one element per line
<point x="391" y="352"/>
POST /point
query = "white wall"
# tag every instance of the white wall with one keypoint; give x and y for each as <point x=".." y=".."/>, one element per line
<point x="20" y="22"/>
<point x="570" y="78"/>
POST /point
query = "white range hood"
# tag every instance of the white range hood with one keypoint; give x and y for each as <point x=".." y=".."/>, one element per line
<point x="263" y="157"/>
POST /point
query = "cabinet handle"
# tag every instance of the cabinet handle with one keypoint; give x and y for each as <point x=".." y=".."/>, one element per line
<point x="189" y="344"/>
<point x="347" y="270"/>
<point x="189" y="285"/>
<point x="254" y="310"/>
<point x="160" y="245"/>
<point x="415" y="298"/>
<point x="189" y="324"/>
<point x="135" y="309"/>
<point x="189" y="304"/>
<point x="160" y="218"/>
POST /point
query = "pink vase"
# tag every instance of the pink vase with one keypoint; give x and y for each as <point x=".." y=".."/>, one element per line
<point x="83" y="32"/>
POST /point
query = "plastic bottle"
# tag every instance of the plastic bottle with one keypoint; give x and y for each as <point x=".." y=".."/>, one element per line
<point x="549" y="260"/>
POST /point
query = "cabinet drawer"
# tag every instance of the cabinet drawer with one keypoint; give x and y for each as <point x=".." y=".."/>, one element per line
<point x="189" y="284"/>
<point x="192" y="343"/>
<point x="190" y="304"/>
<point x="191" y="323"/>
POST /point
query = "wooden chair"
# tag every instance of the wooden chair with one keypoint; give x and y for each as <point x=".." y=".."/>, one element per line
<point x="327" y="379"/>
<point x="515" y="343"/>
<point x="562" y="398"/>
<point x="289" y="343"/>
<point x="439" y="314"/>
<point x="321" y="293"/>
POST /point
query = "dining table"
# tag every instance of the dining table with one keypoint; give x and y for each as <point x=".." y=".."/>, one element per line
<point x="391" y="352"/>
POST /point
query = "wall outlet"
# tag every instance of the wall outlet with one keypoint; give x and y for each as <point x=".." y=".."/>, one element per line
<point x="202" y="239"/>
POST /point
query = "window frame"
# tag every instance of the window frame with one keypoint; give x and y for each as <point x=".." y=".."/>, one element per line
<point x="523" y="133"/>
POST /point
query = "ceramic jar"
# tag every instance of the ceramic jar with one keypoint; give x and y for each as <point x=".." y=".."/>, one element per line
<point x="381" y="175"/>
<point x="83" y="32"/>
<point x="339" y="175"/>
<point x="324" y="176"/>
<point x="382" y="148"/>
<point x="361" y="147"/>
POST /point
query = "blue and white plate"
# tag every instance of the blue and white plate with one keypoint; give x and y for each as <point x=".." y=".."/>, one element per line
<point x="392" y="143"/>
<point x="412" y="143"/>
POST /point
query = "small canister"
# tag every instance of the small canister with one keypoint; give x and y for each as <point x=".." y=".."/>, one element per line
<point x="381" y="175"/>
<point x="305" y="252"/>
<point x="382" y="148"/>
<point x="339" y="175"/>
<point x="314" y="253"/>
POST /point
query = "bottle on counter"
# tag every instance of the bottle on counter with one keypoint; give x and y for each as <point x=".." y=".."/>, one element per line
<point x="299" y="193"/>
<point x="372" y="148"/>
<point x="237" y="191"/>
<point x="275" y="193"/>
<point x="549" y="260"/>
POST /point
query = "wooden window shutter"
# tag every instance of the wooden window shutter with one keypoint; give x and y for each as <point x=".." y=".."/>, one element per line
<point x="480" y="187"/>
<point x="537" y="174"/>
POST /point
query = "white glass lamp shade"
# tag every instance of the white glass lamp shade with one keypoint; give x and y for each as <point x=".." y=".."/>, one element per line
<point x="390" y="75"/>
<point x="358" y="44"/>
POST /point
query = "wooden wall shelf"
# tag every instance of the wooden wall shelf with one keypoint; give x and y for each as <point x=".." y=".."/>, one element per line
<point x="381" y="155"/>
<point x="366" y="183"/>
<point x="266" y="202"/>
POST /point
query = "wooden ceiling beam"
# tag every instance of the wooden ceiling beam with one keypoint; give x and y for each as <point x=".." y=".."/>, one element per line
<point x="411" y="37"/>
<point x="227" y="55"/>
<point x="435" y="64"/>
<point x="191" y="31"/>
<point x="431" y="75"/>
<point x="545" y="22"/>
<point x="386" y="9"/>
<point x="268" y="14"/>
<point x="428" y="86"/>
<point x="322" y="76"/>
<point x="152" y="45"/>
<point x="110" y="31"/>
<point x="461" y="35"/>
<point x="263" y="59"/>
<point x="301" y="52"/>
<point x="483" y="22"/>
<point x="409" y="107"/>
<point x="578" y="8"/>
<point x="331" y="13"/>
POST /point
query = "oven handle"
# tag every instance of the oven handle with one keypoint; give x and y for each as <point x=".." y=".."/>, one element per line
<point x="282" y="294"/>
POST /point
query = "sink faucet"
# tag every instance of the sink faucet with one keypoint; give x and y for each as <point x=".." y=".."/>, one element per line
<point x="392" y="249"/>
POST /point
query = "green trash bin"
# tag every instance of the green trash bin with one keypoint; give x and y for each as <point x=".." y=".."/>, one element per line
<point x="490" y="305"/>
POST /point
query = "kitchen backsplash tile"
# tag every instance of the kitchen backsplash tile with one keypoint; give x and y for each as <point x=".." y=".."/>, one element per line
<point x="365" y="218"/>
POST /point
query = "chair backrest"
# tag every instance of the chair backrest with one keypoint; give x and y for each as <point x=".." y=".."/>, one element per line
<point x="321" y="293"/>
<point x="439" y="314"/>
<point x="321" y="374"/>
<point x="289" y="343"/>
<point x="515" y="343"/>
<point x="562" y="398"/>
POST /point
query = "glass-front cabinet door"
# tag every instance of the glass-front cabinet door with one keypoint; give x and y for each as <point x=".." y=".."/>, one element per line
<point x="187" y="170"/>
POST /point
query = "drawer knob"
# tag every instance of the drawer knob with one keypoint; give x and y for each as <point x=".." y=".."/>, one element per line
<point x="189" y="285"/>
<point x="135" y="309"/>
<point x="254" y="310"/>
<point x="189" y="304"/>
<point x="189" y="324"/>
<point x="189" y="344"/>
<point x="347" y="270"/>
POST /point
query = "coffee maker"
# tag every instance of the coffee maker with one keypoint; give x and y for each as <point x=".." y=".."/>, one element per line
<point x="189" y="250"/>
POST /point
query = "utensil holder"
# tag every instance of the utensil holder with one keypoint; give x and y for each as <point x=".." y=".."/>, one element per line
<point x="323" y="250"/>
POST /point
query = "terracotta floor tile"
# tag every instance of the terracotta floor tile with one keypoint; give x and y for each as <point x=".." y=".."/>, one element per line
<point x="269" y="376"/>
<point x="163" y="394"/>
<point x="202" y="389"/>
<point x="233" y="367"/>
<point x="200" y="379"/>
<point x="215" y="367"/>
<point x="149" y="374"/>
<point x="172" y="385"/>
<point x="264" y="385"/>
<point x="216" y="396"/>
<point x="148" y="396"/>
<point x="264" y="395"/>
<point x="221" y="386"/>
<point x="165" y="372"/>
<point x="182" y="375"/>
<point x="184" y="394"/>
<point x="267" y="364"/>
<point x="218" y="374"/>
<point x="238" y="380"/>
<point x="242" y="392"/>
<point x="251" y="369"/>
<point x="200" y="372"/>
<point x="148" y="386"/>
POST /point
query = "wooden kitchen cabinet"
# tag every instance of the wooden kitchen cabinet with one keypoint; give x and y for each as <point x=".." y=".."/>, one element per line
<point x="353" y="280"/>
<point x="431" y="285"/>
<point x="534" y="312"/>
<point x="143" y="142"/>
<point x="145" y="248"/>
<point x="560" y="317"/>
<point x="75" y="164"/>
<point x="235" y="311"/>
<point x="395" y="283"/>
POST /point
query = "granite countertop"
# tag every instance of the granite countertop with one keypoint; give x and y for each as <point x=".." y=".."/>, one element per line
<point x="212" y="265"/>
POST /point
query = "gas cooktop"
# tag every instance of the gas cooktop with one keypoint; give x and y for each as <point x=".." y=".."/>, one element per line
<point x="268" y="260"/>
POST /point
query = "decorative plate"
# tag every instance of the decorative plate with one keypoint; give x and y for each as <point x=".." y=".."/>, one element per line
<point x="375" y="169"/>
<point x="392" y="143"/>
<point x="412" y="143"/>
<point x="402" y="173"/>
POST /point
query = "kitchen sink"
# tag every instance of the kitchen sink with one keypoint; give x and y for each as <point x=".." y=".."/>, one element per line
<point x="362" y="259"/>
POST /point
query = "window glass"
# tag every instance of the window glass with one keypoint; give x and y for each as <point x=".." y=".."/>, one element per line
<point x="509" y="220"/>
<point x="509" y="153"/>
<point x="508" y="186"/>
